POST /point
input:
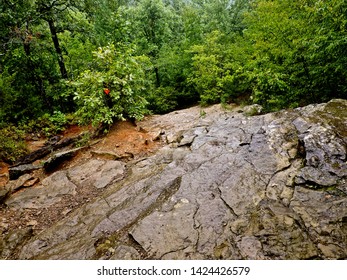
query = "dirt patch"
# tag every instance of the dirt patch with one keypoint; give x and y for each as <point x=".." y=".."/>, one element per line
<point x="125" y="137"/>
<point x="3" y="174"/>
<point x="74" y="130"/>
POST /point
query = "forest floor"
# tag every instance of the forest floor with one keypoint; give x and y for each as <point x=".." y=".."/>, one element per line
<point x="124" y="138"/>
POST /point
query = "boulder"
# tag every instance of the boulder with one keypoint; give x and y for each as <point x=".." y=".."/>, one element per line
<point x="50" y="191"/>
<point x="17" y="171"/>
<point x="252" y="110"/>
<point x="26" y="180"/>
<point x="95" y="173"/>
<point x="5" y="192"/>
<point x="58" y="158"/>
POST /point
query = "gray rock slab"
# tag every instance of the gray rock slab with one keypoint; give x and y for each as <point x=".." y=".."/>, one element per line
<point x="50" y="191"/>
<point x="97" y="173"/>
<point x="17" y="171"/>
<point x="263" y="187"/>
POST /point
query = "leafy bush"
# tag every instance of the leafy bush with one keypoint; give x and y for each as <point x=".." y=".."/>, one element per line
<point x="271" y="90"/>
<point x="12" y="145"/>
<point x="217" y="74"/>
<point x="120" y="72"/>
<point x="14" y="105"/>
<point x="162" y="100"/>
<point x="47" y="124"/>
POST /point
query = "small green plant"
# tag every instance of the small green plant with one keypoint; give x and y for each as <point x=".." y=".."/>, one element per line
<point x="47" y="125"/>
<point x="202" y="113"/>
<point x="12" y="144"/>
<point x="83" y="141"/>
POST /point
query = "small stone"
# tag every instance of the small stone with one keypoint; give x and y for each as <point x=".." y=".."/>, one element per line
<point x="106" y="155"/>
<point x="252" y="110"/>
<point x="32" y="223"/>
<point x="288" y="221"/>
<point x="141" y="129"/>
<point x="156" y="135"/>
<point x="31" y="182"/>
<point x="66" y="211"/>
<point x="4" y="226"/>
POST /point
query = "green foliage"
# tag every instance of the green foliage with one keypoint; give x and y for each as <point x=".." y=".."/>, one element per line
<point x="153" y="25"/>
<point x="84" y="140"/>
<point x="218" y="75"/>
<point x="162" y="100"/>
<point x="298" y="52"/>
<point x="110" y="22"/>
<point x="269" y="90"/>
<point x="12" y="145"/>
<point x="78" y="45"/>
<point x="6" y="95"/>
<point x="124" y="74"/>
<point x="282" y="53"/>
<point x="46" y="125"/>
<point x="223" y="15"/>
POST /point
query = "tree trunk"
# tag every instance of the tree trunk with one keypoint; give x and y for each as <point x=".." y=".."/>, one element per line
<point x="157" y="77"/>
<point x="57" y="48"/>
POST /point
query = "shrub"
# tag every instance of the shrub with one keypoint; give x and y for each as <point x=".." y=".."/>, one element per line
<point x="162" y="100"/>
<point x="114" y="88"/>
<point x="47" y="124"/>
<point x="217" y="74"/>
<point x="12" y="145"/>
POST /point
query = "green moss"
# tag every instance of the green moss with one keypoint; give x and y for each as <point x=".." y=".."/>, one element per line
<point x="334" y="114"/>
<point x="337" y="107"/>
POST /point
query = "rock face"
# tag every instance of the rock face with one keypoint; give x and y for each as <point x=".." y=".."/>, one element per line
<point x="95" y="172"/>
<point x="226" y="186"/>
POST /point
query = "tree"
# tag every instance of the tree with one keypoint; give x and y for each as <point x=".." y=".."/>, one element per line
<point x="115" y="88"/>
<point x="299" y="49"/>
<point x="218" y="75"/>
<point x="50" y="11"/>
<point x="32" y="57"/>
<point x="22" y="69"/>
<point x="218" y="59"/>
<point x="153" y="24"/>
<point x="224" y="15"/>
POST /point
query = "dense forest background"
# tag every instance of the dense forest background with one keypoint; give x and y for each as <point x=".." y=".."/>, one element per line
<point x="96" y="61"/>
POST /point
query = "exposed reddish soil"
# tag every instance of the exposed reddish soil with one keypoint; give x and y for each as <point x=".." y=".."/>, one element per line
<point x="3" y="174"/>
<point x="125" y="137"/>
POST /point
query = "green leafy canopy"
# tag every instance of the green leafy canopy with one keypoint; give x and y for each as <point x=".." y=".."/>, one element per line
<point x="124" y="74"/>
